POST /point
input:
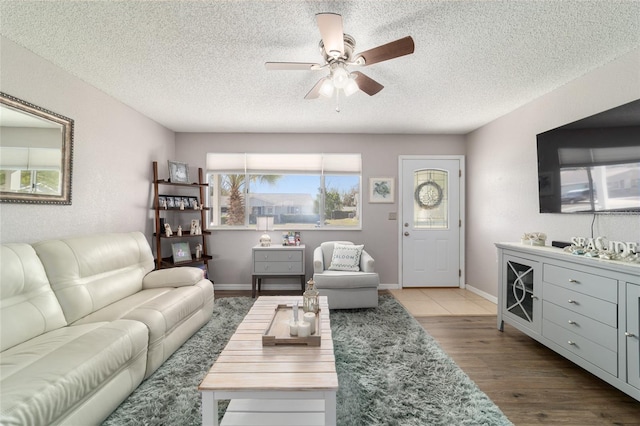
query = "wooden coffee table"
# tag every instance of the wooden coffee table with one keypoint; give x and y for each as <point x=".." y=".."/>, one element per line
<point x="272" y="385"/>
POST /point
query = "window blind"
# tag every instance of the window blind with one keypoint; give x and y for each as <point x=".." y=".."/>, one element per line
<point x="284" y="163"/>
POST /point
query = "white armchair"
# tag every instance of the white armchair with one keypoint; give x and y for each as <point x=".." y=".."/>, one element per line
<point x="345" y="289"/>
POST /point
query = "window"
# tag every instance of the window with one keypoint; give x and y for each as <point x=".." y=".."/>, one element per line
<point x="300" y="191"/>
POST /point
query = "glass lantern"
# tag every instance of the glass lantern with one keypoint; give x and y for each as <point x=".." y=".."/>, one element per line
<point x="310" y="298"/>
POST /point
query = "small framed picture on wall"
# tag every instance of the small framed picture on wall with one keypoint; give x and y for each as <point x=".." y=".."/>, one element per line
<point x="381" y="190"/>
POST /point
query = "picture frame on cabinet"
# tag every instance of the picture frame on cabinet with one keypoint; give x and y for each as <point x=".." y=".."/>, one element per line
<point x="178" y="172"/>
<point x="381" y="190"/>
<point x="181" y="252"/>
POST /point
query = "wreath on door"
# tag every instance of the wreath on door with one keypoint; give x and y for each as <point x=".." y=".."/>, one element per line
<point x="428" y="195"/>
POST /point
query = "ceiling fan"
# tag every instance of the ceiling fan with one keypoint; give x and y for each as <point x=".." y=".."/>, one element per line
<point x="337" y="48"/>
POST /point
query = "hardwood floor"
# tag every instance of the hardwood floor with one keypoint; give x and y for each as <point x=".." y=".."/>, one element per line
<point x="530" y="383"/>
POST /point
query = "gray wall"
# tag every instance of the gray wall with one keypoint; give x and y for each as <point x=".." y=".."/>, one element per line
<point x="113" y="149"/>
<point x="232" y="249"/>
<point x="502" y="183"/>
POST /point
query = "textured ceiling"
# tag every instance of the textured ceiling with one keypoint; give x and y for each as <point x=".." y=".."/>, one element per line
<point x="199" y="65"/>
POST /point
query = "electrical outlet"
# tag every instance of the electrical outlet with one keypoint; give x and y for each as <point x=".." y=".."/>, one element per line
<point x="393" y="216"/>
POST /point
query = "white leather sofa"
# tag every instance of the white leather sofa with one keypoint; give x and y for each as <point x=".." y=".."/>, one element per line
<point x="345" y="289"/>
<point x="84" y="320"/>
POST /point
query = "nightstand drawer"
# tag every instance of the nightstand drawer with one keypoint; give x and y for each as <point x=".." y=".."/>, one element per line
<point x="264" y="268"/>
<point x="593" y="330"/>
<point x="277" y="255"/>
<point x="583" y="282"/>
<point x="592" y="307"/>
<point x="586" y="349"/>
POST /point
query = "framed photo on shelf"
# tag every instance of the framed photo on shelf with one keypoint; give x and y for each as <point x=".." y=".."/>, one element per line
<point x="170" y="202"/>
<point x="178" y="172"/>
<point x="193" y="201"/>
<point x="162" y="201"/>
<point x="181" y="252"/>
<point x="381" y="190"/>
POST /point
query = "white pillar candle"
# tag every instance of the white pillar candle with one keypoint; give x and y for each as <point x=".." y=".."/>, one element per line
<point x="303" y="329"/>
<point x="295" y="312"/>
<point x="293" y="328"/>
<point x="310" y="317"/>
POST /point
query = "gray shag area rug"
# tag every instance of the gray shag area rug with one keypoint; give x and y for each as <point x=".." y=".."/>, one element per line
<point x="390" y="372"/>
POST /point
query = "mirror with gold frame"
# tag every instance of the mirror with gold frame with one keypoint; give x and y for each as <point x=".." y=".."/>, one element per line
<point x="36" y="149"/>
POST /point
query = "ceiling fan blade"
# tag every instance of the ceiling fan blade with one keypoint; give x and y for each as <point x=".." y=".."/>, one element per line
<point x="367" y="84"/>
<point x="330" y="25"/>
<point x="314" y="93"/>
<point x="283" y="66"/>
<point x="395" y="49"/>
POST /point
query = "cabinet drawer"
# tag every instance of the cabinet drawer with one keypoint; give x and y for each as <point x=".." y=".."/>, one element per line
<point x="581" y="346"/>
<point x="583" y="282"/>
<point x="278" y="268"/>
<point x="588" y="306"/>
<point x="593" y="330"/>
<point x="278" y="255"/>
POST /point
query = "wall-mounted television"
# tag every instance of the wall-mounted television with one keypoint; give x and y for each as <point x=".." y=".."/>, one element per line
<point x="592" y="165"/>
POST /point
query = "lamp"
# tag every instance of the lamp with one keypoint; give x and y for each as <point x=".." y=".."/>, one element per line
<point x="264" y="224"/>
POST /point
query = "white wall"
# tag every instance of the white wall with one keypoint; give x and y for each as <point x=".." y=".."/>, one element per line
<point x="113" y="149"/>
<point x="502" y="185"/>
<point x="232" y="249"/>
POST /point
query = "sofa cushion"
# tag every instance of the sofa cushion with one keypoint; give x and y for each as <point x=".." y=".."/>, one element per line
<point x="29" y="306"/>
<point x="48" y="376"/>
<point x="344" y="279"/>
<point x="162" y="310"/>
<point x="346" y="257"/>
<point x="90" y="272"/>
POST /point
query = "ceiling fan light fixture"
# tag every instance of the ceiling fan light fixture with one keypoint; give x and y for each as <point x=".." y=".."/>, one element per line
<point x="326" y="89"/>
<point x="351" y="87"/>
<point x="340" y="77"/>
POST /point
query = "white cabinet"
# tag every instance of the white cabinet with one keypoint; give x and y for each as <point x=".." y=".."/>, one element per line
<point x="632" y="334"/>
<point x="585" y="309"/>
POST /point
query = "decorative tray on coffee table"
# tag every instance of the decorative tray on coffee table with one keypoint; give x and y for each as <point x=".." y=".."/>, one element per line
<point x="278" y="331"/>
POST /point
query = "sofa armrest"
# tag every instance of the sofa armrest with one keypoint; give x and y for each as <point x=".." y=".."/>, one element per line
<point x="173" y="277"/>
<point x="318" y="261"/>
<point x="367" y="263"/>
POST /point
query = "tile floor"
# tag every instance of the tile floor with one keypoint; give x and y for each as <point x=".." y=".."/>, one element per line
<point x="443" y="301"/>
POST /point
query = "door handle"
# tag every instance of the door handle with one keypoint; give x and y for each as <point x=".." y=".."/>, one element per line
<point x="406" y="234"/>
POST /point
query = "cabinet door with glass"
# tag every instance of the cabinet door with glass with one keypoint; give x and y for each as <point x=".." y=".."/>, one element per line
<point x="520" y="300"/>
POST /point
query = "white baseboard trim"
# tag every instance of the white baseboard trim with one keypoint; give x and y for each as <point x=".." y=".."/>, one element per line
<point x="281" y="286"/>
<point x="483" y="294"/>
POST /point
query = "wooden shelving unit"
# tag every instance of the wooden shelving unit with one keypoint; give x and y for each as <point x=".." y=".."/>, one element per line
<point x="167" y="261"/>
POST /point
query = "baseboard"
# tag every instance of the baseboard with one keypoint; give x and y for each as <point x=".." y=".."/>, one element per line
<point x="483" y="294"/>
<point x="281" y="286"/>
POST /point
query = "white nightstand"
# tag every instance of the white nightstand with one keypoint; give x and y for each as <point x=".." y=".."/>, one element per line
<point x="277" y="261"/>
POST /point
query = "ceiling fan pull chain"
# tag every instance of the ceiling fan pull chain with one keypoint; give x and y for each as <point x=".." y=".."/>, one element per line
<point x="337" y="100"/>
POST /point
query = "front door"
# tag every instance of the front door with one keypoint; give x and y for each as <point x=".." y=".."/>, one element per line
<point x="431" y="221"/>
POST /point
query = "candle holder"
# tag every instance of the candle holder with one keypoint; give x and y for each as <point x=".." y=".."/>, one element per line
<point x="310" y="298"/>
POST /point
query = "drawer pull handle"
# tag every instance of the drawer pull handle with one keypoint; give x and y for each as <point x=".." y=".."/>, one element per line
<point x="572" y="301"/>
<point x="571" y="343"/>
<point x="626" y="333"/>
<point x="572" y="322"/>
<point x="571" y="280"/>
